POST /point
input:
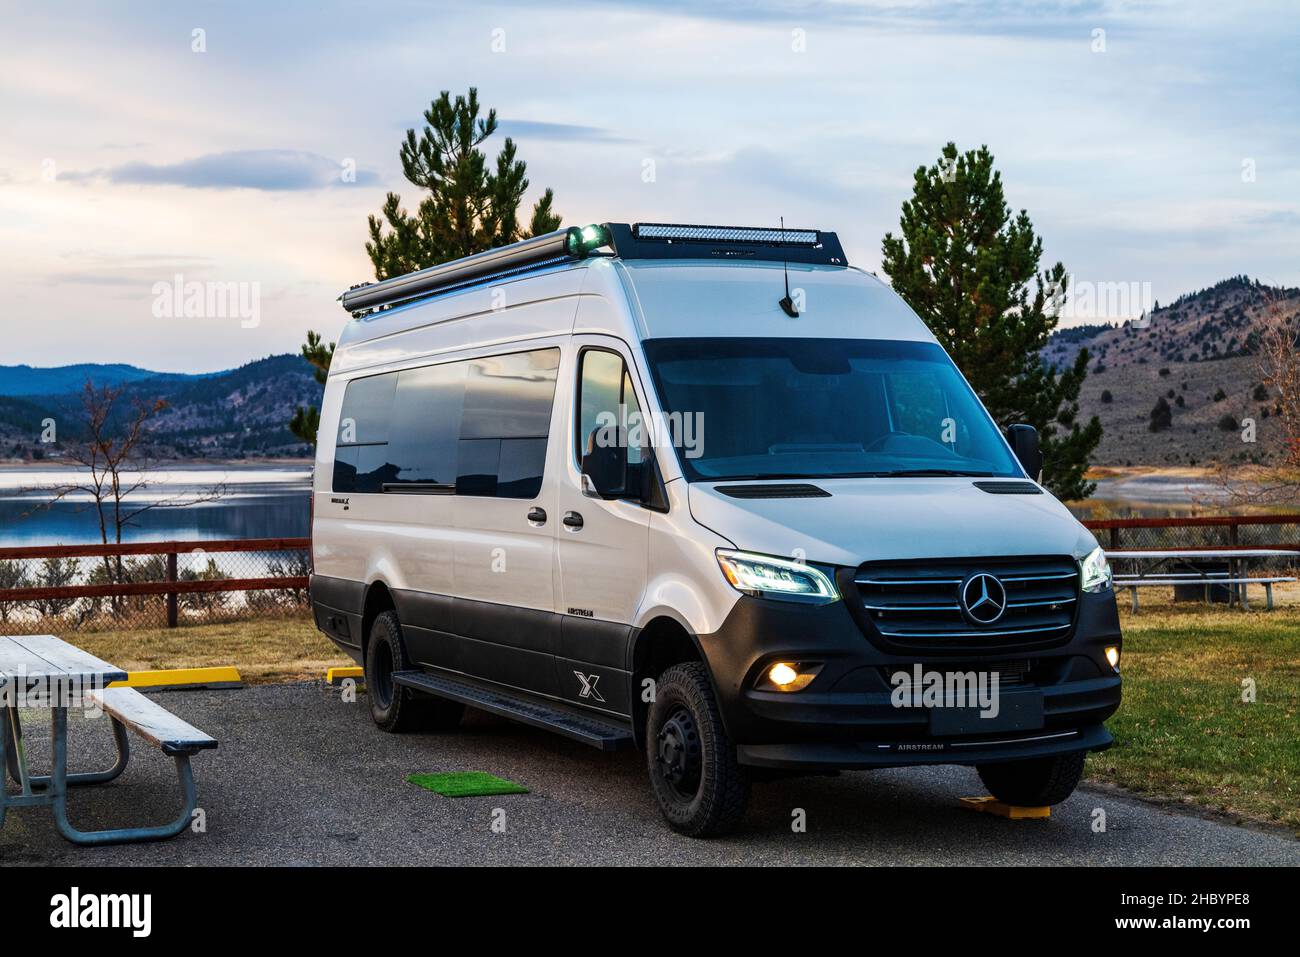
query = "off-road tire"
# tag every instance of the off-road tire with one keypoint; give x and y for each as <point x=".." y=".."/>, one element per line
<point x="1037" y="782"/>
<point x="715" y="805"/>
<point x="394" y="708"/>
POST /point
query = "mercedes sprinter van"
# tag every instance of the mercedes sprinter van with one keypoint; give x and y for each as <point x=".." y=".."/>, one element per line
<point x="708" y="492"/>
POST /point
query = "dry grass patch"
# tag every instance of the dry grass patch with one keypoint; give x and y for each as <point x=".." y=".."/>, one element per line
<point x="264" y="650"/>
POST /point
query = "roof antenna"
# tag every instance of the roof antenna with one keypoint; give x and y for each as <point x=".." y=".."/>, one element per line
<point x="787" y="303"/>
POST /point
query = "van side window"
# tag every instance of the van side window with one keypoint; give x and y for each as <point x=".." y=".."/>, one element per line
<point x="474" y="427"/>
<point x="607" y="385"/>
<point x="426" y="427"/>
<point x="361" y="456"/>
<point x="505" y="424"/>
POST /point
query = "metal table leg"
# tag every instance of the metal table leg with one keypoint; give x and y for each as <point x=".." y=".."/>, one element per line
<point x="16" y="759"/>
<point x="4" y="763"/>
<point x="59" y="798"/>
<point x="17" y="763"/>
<point x="10" y="720"/>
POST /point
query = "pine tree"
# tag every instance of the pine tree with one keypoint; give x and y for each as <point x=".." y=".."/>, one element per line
<point x="971" y="271"/>
<point x="306" y="422"/>
<point x="470" y="208"/>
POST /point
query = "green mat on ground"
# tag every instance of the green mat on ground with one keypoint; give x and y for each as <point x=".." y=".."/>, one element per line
<point x="459" y="784"/>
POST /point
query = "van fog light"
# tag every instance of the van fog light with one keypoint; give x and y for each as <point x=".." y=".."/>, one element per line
<point x="791" y="676"/>
<point x="1112" y="655"/>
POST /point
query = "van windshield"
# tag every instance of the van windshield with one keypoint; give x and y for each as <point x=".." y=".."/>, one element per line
<point x="821" y="408"/>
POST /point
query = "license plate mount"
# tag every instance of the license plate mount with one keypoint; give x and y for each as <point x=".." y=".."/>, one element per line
<point x="1018" y="711"/>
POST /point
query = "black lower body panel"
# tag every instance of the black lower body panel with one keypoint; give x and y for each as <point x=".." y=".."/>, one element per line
<point x="578" y="660"/>
<point x="337" y="606"/>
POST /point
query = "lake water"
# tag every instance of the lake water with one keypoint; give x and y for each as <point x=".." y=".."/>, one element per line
<point x="194" y="502"/>
<point x="273" y="501"/>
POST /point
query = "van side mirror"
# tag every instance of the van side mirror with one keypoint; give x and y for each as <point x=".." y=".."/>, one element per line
<point x="604" y="467"/>
<point x="1023" y="440"/>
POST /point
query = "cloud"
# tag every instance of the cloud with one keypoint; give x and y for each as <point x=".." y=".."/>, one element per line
<point x="271" y="170"/>
<point x="1045" y="18"/>
<point x="1276" y="217"/>
<point x="537" y="130"/>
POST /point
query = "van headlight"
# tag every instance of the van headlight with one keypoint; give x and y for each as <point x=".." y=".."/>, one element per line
<point x="1096" y="571"/>
<point x="768" y="577"/>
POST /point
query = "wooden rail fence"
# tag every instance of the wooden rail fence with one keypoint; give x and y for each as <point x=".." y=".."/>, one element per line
<point x="1233" y="523"/>
<point x="171" y="586"/>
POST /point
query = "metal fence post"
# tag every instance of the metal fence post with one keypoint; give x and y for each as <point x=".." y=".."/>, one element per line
<point x="171" y="595"/>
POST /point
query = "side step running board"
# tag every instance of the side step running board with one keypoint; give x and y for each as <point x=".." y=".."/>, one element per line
<point x="607" y="735"/>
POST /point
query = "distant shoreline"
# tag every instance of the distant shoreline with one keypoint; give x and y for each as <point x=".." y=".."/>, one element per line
<point x="53" y="462"/>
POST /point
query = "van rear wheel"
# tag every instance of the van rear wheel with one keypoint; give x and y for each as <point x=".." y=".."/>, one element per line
<point x="394" y="708"/>
<point x="700" y="788"/>
<point x="1037" y="782"/>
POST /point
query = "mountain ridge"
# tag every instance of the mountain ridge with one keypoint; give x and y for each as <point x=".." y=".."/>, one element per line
<point x="237" y="413"/>
<point x="1194" y="354"/>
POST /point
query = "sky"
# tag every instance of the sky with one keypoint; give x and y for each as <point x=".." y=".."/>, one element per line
<point x="148" y="147"/>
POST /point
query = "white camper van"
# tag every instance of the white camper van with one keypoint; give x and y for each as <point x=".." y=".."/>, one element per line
<point x="708" y="492"/>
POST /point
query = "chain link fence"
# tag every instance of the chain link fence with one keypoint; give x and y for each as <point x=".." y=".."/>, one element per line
<point x="151" y="585"/>
<point x="1226" y="533"/>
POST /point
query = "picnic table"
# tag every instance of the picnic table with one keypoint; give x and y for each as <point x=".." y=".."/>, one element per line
<point x="46" y="673"/>
<point x="1191" y="575"/>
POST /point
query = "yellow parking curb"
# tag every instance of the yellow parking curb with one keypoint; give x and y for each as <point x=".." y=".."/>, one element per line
<point x="335" y="676"/>
<point x="224" y="677"/>
<point x="991" y="805"/>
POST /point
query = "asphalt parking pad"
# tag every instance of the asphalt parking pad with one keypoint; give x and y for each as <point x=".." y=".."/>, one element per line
<point x="459" y="784"/>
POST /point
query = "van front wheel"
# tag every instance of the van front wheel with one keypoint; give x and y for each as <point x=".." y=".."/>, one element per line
<point x="700" y="788"/>
<point x="1037" y="782"/>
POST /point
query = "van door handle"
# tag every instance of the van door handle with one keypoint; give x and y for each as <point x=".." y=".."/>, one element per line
<point x="572" y="520"/>
<point x="537" y="516"/>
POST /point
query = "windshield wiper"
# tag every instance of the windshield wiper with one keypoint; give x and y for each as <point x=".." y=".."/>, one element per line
<point x="810" y="477"/>
<point x="921" y="473"/>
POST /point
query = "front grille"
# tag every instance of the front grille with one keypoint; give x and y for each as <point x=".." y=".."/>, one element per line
<point x="918" y="603"/>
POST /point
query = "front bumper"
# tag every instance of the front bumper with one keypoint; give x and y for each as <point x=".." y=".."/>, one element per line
<point x="814" y="756"/>
<point x="848" y="716"/>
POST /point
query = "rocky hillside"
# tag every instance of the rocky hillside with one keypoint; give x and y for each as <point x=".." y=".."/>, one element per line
<point x="1196" y="355"/>
<point x="234" y="414"/>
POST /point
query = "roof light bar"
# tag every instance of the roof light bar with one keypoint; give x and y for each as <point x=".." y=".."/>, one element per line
<point x="571" y="243"/>
<point x="674" y="232"/>
<point x="725" y="243"/>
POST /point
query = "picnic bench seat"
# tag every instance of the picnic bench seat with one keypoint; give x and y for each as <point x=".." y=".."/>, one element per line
<point x="1133" y="583"/>
<point x="152" y="721"/>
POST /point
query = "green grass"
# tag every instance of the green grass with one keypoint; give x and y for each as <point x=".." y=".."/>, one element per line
<point x="456" y="784"/>
<point x="1183" y="731"/>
